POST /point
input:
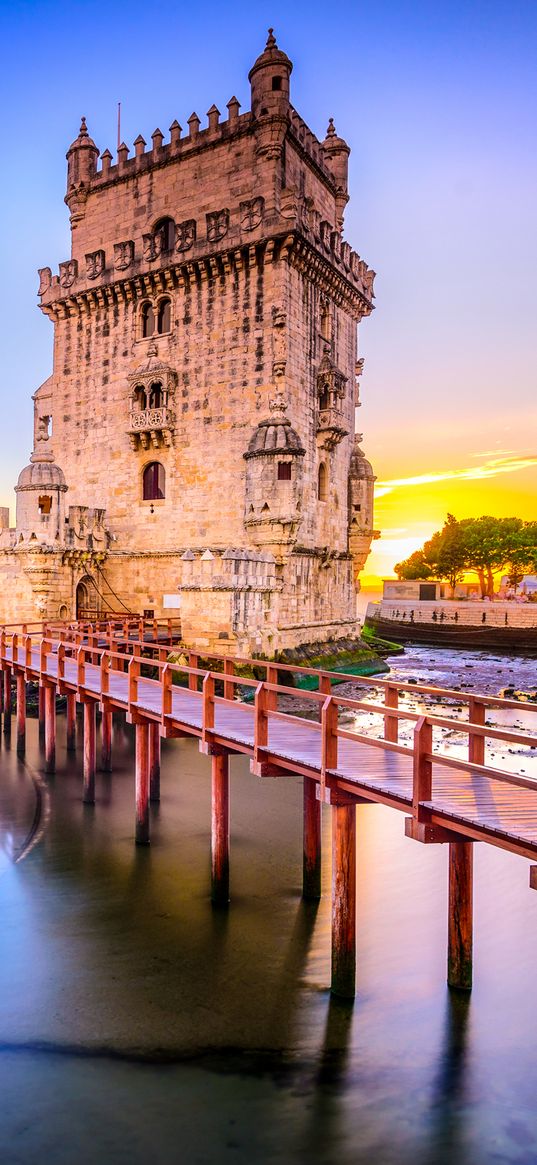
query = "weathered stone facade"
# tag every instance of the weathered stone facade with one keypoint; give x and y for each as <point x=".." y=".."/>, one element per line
<point x="204" y="386"/>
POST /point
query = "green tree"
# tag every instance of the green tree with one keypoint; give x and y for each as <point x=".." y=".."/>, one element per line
<point x="522" y="554"/>
<point x="413" y="567"/>
<point x="489" y="542"/>
<point x="485" y="545"/>
<point x="446" y="552"/>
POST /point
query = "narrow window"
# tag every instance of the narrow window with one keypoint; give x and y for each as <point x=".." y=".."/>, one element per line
<point x="322" y="488"/>
<point x="284" y="471"/>
<point x="45" y="505"/>
<point x="154" y="482"/>
<point x="166" y="229"/>
<point x="148" y="320"/>
<point x="324" y="398"/>
<point x="325" y="320"/>
<point x="155" y="396"/>
<point x="139" y="398"/>
<point x="276" y="83"/>
<point x="164" y="317"/>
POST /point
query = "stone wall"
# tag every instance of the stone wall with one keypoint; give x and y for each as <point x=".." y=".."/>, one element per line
<point x="472" y="613"/>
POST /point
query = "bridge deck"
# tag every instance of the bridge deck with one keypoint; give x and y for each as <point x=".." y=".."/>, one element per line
<point x="474" y="804"/>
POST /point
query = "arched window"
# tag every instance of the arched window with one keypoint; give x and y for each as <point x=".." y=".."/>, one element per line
<point x="166" y="228"/>
<point x="154" y="482"/>
<point x="139" y="398"/>
<point x="164" y="316"/>
<point x="322" y="486"/>
<point x="148" y="320"/>
<point x="156" y="398"/>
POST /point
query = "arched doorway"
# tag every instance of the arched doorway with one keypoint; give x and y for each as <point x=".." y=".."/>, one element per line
<point x="87" y="599"/>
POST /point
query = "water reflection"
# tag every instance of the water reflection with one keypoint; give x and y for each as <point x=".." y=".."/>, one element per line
<point x="450" y="1091"/>
<point x="113" y="951"/>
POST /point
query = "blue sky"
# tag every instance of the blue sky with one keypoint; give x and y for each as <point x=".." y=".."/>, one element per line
<point x="438" y="102"/>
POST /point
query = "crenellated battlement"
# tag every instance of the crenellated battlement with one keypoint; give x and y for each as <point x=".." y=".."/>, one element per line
<point x="163" y="153"/>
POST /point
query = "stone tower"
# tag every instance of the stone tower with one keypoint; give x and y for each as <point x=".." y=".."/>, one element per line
<point x="205" y="381"/>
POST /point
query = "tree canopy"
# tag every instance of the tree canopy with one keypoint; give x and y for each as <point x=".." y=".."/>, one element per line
<point x="485" y="545"/>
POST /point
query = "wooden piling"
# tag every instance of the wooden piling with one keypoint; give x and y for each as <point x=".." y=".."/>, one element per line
<point x="7" y="700"/>
<point x="220" y="829"/>
<point x="311" y="868"/>
<point x="343" y="900"/>
<point x="106" y="741"/>
<point x="460" y="915"/>
<point x="21" y="714"/>
<point x="154" y="762"/>
<point x="50" y="729"/>
<point x="90" y="708"/>
<point x="41" y="698"/>
<point x="71" y="722"/>
<point x="142" y="783"/>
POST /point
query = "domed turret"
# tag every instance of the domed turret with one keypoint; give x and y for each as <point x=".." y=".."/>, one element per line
<point x="361" y="469"/>
<point x="41" y="475"/>
<point x="336" y="155"/>
<point x="274" y="436"/>
<point x="361" y="486"/>
<point x="40" y="502"/>
<point x="274" y="480"/>
<point x="269" y="79"/>
<point x="82" y="158"/>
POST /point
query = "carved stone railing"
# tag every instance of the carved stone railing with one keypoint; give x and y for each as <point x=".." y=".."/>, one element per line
<point x="150" y="427"/>
<point x="150" y="419"/>
<point x="332" y="425"/>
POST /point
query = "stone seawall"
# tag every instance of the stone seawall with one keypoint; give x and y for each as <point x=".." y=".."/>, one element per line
<point x="469" y="614"/>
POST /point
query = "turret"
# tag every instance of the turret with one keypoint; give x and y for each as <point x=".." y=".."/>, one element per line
<point x="273" y="499"/>
<point x="40" y="502"/>
<point x="361" y="490"/>
<point x="336" y="155"/>
<point x="82" y="158"/>
<point x="269" y="79"/>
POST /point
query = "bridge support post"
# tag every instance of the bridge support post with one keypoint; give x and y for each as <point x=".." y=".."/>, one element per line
<point x="21" y="714"/>
<point x="343" y="897"/>
<point x="311" y="866"/>
<point x="142" y="783"/>
<point x="50" y="728"/>
<point x="106" y="741"/>
<point x="41" y="698"/>
<point x="220" y="828"/>
<point x="460" y="914"/>
<point x="71" y="722"/>
<point x="90" y="708"/>
<point x="7" y="701"/>
<point x="154" y="762"/>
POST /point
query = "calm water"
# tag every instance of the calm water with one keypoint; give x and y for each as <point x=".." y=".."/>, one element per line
<point x="137" y="1022"/>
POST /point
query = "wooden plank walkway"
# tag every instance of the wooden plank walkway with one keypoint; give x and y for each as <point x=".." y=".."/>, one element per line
<point x="446" y="799"/>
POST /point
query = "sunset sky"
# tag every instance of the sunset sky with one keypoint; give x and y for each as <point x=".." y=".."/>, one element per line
<point x="437" y="101"/>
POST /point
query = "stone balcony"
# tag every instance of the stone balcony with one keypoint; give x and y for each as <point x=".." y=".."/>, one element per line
<point x="332" y="426"/>
<point x="150" y="427"/>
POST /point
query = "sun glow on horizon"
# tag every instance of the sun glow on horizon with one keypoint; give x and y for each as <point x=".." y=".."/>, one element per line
<point x="408" y="510"/>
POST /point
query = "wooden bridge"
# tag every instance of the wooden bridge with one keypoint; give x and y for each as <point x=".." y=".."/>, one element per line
<point x="123" y="666"/>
